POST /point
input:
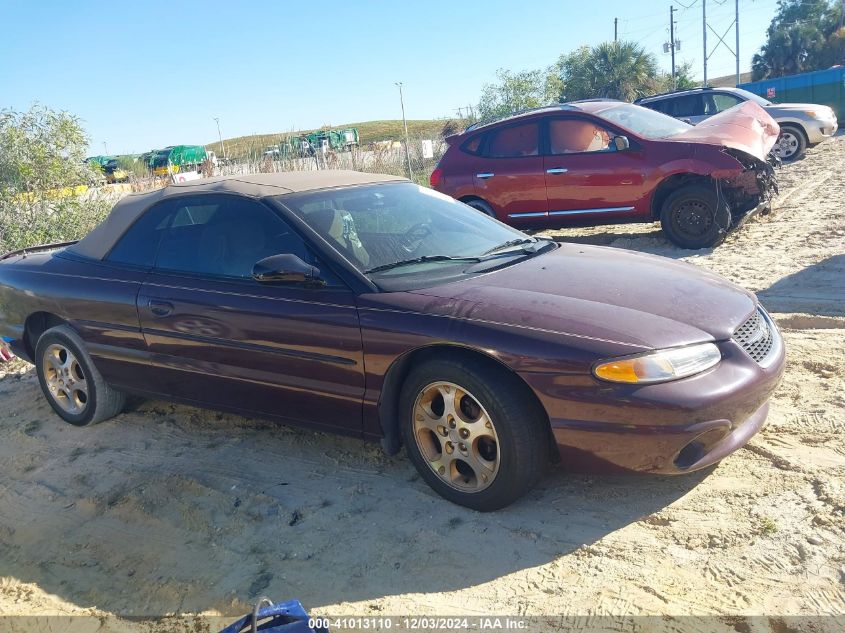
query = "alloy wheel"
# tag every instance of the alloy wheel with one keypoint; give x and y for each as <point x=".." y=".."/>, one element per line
<point x="787" y="145"/>
<point x="456" y="436"/>
<point x="66" y="382"/>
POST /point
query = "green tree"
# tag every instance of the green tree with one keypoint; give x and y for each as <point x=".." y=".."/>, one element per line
<point x="615" y="70"/>
<point x="513" y="92"/>
<point x="804" y="35"/>
<point x="44" y="179"/>
<point x="683" y="78"/>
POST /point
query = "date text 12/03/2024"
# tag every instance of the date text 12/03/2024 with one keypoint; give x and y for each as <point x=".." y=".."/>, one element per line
<point x="432" y="623"/>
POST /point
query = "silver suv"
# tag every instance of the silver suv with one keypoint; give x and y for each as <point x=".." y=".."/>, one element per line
<point x="802" y="125"/>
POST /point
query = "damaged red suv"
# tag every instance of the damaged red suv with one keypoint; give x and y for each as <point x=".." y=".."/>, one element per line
<point x="609" y="162"/>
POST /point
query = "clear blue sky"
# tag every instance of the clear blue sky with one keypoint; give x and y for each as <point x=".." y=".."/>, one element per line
<point x="147" y="74"/>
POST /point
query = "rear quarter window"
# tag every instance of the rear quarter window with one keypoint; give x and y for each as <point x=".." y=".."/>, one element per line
<point x="140" y="243"/>
<point x="685" y="105"/>
<point x="660" y="105"/>
<point x="473" y="145"/>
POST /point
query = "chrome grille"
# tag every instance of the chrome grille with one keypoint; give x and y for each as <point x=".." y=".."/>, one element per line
<point x="756" y="336"/>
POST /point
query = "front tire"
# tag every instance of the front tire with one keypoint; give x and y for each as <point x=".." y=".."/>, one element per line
<point x="692" y="217"/>
<point x="71" y="382"/>
<point x="473" y="433"/>
<point x="791" y="144"/>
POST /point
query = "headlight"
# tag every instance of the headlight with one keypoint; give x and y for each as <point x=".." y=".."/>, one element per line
<point x="659" y="366"/>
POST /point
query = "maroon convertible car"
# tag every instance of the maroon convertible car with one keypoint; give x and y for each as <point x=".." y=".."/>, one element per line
<point x="367" y="305"/>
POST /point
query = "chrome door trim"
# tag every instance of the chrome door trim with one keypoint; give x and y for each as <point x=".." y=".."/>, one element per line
<point x="533" y="214"/>
<point x="485" y="175"/>
<point x="540" y="214"/>
<point x="557" y="170"/>
<point x="605" y="210"/>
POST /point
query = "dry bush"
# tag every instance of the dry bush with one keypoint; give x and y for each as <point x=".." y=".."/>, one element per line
<point x="44" y="180"/>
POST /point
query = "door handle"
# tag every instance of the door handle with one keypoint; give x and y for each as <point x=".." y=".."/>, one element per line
<point x="557" y="170"/>
<point x="485" y="175"/>
<point x="160" y="308"/>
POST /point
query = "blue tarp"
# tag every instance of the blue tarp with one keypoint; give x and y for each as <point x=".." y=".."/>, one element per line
<point x="825" y="87"/>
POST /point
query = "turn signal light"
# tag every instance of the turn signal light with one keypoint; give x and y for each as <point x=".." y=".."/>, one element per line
<point x="660" y="366"/>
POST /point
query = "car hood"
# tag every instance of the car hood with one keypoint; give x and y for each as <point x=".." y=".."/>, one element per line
<point x="640" y="301"/>
<point x="746" y="127"/>
<point x="776" y="109"/>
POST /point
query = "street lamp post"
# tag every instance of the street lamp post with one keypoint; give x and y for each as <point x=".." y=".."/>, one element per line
<point x="220" y="136"/>
<point x="407" y="139"/>
<point x="105" y="148"/>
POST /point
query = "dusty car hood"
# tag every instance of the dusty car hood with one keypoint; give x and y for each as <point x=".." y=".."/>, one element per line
<point x="605" y="293"/>
<point x="746" y="127"/>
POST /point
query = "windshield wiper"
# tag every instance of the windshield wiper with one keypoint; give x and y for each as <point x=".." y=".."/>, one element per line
<point x="493" y="253"/>
<point x="420" y="260"/>
<point x="520" y="241"/>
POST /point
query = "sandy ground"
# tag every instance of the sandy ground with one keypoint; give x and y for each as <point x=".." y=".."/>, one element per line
<point x="169" y="509"/>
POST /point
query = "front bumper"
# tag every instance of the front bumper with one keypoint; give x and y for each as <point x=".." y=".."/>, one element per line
<point x="669" y="428"/>
<point x="820" y="129"/>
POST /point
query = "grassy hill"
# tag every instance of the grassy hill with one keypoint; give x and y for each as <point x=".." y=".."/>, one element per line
<point x="728" y="81"/>
<point x="368" y="132"/>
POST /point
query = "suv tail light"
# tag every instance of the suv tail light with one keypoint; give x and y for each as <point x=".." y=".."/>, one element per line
<point x="436" y="175"/>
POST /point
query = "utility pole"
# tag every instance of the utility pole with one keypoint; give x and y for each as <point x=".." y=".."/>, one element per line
<point x="220" y="136"/>
<point x="721" y="38"/>
<point x="704" y="27"/>
<point x="672" y="41"/>
<point x="105" y="148"/>
<point x="407" y="138"/>
<point x="736" y="24"/>
<point x="615" y="28"/>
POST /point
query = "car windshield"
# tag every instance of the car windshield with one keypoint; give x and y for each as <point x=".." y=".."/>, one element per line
<point x="751" y="97"/>
<point x="401" y="230"/>
<point x="642" y="121"/>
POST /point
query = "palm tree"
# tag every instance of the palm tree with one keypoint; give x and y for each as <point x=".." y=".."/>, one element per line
<point x="614" y="70"/>
<point x="623" y="70"/>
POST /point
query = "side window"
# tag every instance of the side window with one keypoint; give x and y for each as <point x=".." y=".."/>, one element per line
<point x="577" y="136"/>
<point x="722" y="101"/>
<point x="686" y="105"/>
<point x="224" y="236"/>
<point x="515" y="140"/>
<point x="661" y="105"/>
<point x="140" y="243"/>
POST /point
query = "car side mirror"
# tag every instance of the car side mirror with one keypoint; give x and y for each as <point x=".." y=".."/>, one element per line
<point x="287" y="269"/>
<point x="621" y="143"/>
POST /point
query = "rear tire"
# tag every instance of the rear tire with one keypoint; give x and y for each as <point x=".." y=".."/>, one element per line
<point x="473" y="433"/>
<point x="71" y="382"/>
<point x="482" y="206"/>
<point x="791" y="144"/>
<point x="692" y="218"/>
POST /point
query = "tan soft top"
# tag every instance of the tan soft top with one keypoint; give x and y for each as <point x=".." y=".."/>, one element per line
<point x="99" y="242"/>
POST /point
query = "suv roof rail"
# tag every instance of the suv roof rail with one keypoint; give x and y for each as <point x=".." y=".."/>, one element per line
<point x="519" y="113"/>
<point x="672" y="92"/>
<point x="595" y="99"/>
